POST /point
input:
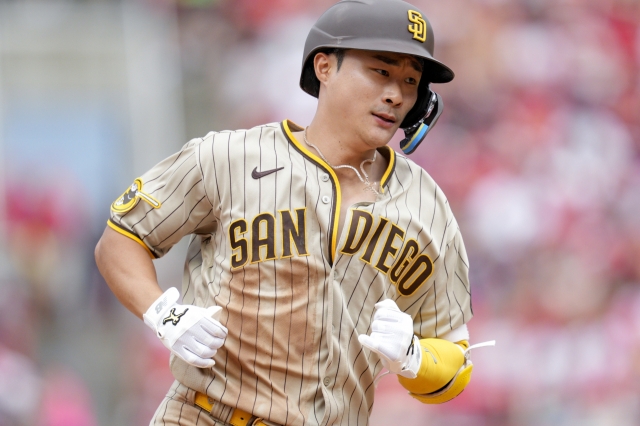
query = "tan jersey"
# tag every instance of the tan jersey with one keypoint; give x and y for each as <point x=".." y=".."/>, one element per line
<point x="295" y="294"/>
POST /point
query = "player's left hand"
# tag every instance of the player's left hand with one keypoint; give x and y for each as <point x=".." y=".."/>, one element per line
<point x="393" y="340"/>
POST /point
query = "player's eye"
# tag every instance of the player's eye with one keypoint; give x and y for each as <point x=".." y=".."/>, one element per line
<point x="411" y="80"/>
<point x="383" y="72"/>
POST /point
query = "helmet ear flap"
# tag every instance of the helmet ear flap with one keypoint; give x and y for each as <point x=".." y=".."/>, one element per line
<point x="416" y="132"/>
<point x="416" y="113"/>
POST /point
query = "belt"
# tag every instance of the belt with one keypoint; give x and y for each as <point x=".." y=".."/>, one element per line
<point x="235" y="416"/>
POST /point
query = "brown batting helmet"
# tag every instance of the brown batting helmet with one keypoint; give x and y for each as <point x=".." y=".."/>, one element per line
<point x="382" y="25"/>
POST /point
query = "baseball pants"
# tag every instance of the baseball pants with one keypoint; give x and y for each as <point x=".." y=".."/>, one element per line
<point x="182" y="406"/>
<point x="178" y="408"/>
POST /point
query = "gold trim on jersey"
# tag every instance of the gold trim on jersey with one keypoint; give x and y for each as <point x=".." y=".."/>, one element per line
<point x="328" y="169"/>
<point x="407" y="268"/>
<point x="248" y="239"/>
<point x="266" y="241"/>
<point x="388" y="249"/>
<point x="390" y="167"/>
<point x="409" y="251"/>
<point x="354" y="240"/>
<point x="374" y="239"/>
<point x="289" y="227"/>
<point x="131" y="235"/>
<point x="422" y="264"/>
<point x="336" y="216"/>
<point x="237" y="242"/>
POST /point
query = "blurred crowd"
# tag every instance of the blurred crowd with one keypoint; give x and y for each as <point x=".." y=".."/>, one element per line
<point x="538" y="151"/>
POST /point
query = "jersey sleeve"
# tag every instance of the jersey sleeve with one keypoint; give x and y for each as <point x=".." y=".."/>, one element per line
<point x="166" y="203"/>
<point x="447" y="305"/>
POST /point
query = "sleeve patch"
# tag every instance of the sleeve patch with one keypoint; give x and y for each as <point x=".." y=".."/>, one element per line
<point x="131" y="196"/>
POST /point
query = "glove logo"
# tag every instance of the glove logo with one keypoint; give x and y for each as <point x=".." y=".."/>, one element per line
<point x="418" y="27"/>
<point x="130" y="198"/>
<point x="161" y="305"/>
<point x="173" y="317"/>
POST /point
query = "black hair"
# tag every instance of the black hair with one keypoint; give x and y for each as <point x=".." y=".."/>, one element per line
<point x="339" y="55"/>
<point x="309" y="73"/>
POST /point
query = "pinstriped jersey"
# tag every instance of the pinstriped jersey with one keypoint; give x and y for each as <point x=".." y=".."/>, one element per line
<point x="262" y="212"/>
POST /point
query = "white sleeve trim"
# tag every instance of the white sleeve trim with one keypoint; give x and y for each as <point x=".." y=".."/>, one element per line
<point x="457" y="334"/>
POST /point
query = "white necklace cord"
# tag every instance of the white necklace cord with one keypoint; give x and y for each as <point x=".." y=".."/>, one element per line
<point x="368" y="184"/>
<point x="377" y="379"/>
<point x="478" y="345"/>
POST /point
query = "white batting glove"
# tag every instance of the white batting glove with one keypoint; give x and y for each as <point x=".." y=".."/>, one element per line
<point x="393" y="340"/>
<point x="191" y="332"/>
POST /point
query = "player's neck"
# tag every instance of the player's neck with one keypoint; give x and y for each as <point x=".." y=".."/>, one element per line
<point x="336" y="145"/>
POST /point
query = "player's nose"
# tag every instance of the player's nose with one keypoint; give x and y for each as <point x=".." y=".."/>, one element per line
<point x="392" y="95"/>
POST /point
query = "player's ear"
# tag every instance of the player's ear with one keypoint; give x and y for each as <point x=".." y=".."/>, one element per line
<point x="322" y="64"/>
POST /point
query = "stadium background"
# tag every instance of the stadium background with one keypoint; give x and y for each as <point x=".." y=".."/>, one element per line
<point x="538" y="151"/>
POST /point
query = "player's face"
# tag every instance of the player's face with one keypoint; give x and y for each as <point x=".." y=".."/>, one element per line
<point x="372" y="92"/>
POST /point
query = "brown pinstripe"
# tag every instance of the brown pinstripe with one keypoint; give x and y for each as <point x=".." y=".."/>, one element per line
<point x="292" y="354"/>
<point x="178" y="408"/>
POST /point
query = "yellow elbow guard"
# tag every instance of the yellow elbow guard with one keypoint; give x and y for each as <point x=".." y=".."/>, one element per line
<point x="444" y="372"/>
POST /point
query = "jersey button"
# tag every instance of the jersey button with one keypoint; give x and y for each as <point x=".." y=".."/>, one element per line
<point x="326" y="199"/>
<point x="324" y="177"/>
<point x="327" y="381"/>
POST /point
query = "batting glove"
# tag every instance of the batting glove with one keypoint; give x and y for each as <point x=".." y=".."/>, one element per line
<point x="191" y="332"/>
<point x="393" y="340"/>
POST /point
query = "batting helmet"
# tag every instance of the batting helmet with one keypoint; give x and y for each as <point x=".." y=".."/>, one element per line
<point x="382" y="25"/>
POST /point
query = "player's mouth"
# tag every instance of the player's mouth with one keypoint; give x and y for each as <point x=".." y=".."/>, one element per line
<point x="385" y="120"/>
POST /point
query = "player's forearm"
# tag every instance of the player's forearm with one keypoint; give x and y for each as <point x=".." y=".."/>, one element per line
<point x="128" y="271"/>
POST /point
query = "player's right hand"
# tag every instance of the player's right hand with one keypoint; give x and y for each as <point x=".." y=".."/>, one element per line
<point x="193" y="333"/>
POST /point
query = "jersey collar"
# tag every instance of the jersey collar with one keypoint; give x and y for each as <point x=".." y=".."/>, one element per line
<point x="386" y="151"/>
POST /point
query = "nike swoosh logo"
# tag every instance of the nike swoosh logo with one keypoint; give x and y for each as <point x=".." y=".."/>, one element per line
<point x="257" y="175"/>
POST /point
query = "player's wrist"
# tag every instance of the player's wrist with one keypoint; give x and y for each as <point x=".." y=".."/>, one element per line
<point x="160" y="308"/>
<point x="413" y="362"/>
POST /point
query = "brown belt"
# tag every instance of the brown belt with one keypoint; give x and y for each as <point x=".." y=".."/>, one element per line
<point x="236" y="417"/>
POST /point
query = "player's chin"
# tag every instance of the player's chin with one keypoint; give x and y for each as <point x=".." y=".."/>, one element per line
<point x="381" y="131"/>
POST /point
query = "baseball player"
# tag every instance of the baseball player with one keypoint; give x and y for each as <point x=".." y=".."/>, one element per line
<point x="317" y="255"/>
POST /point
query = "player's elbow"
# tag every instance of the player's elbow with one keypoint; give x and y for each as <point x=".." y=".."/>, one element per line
<point x="98" y="253"/>
<point x="104" y="249"/>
